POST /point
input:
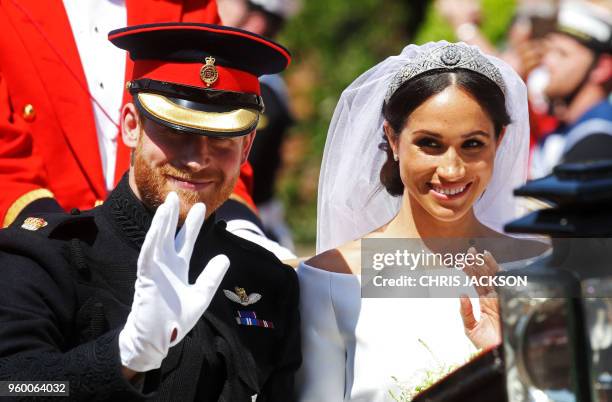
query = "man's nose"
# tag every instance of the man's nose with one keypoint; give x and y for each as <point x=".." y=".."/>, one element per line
<point x="547" y="60"/>
<point x="195" y="154"/>
<point x="451" y="167"/>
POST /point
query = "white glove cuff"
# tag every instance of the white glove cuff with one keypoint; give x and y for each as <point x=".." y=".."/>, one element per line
<point x="136" y="353"/>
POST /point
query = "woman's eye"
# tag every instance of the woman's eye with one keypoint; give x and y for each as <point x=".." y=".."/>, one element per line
<point x="472" y="144"/>
<point x="428" y="143"/>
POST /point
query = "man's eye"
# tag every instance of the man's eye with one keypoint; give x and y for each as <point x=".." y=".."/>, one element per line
<point x="472" y="144"/>
<point x="428" y="143"/>
<point x="221" y="140"/>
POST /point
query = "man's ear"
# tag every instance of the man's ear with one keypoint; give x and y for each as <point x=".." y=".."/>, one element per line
<point x="602" y="73"/>
<point x="391" y="137"/>
<point x="247" y="144"/>
<point x="130" y="125"/>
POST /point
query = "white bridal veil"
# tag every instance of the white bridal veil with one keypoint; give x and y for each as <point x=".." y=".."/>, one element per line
<point x="351" y="199"/>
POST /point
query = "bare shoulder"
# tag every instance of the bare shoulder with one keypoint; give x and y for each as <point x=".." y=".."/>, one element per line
<point x="345" y="259"/>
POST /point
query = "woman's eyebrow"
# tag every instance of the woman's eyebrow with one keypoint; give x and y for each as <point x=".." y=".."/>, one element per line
<point x="427" y="132"/>
<point x="437" y="135"/>
<point x="475" y="133"/>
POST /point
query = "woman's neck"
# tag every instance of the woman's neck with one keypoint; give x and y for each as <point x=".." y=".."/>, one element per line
<point x="413" y="221"/>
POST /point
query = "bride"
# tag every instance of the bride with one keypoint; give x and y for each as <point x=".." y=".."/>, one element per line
<point x="455" y="144"/>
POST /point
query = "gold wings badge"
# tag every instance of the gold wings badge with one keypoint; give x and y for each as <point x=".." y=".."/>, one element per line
<point x="241" y="296"/>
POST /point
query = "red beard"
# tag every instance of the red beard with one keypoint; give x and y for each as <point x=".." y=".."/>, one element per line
<point x="154" y="185"/>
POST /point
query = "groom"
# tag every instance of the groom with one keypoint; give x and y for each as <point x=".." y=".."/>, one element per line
<point x="112" y="301"/>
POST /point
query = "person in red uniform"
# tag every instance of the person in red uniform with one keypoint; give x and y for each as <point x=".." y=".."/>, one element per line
<point x="50" y="158"/>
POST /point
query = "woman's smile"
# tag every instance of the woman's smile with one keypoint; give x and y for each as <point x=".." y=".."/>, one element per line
<point x="449" y="192"/>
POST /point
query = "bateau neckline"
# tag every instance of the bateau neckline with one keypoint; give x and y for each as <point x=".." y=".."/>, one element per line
<point x="509" y="265"/>
<point x="324" y="271"/>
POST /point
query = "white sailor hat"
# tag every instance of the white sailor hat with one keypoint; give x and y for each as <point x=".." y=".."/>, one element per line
<point x="586" y="22"/>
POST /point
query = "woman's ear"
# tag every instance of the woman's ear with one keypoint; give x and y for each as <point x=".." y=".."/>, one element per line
<point x="130" y="125"/>
<point x="500" y="137"/>
<point x="391" y="137"/>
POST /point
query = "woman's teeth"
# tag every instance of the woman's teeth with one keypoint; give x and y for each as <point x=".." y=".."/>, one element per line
<point x="449" y="191"/>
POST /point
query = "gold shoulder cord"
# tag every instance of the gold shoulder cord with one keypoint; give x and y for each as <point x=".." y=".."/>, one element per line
<point x="241" y="200"/>
<point x="22" y="202"/>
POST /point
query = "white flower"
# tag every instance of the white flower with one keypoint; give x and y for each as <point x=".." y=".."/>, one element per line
<point x="424" y="378"/>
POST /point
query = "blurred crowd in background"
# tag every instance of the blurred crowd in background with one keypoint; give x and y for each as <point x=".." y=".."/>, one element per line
<point x="561" y="48"/>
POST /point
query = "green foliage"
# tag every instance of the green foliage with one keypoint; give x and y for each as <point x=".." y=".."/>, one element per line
<point x="496" y="16"/>
<point x="340" y="40"/>
<point x="333" y="42"/>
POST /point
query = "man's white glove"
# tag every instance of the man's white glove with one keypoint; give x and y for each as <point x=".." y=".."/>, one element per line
<point x="166" y="307"/>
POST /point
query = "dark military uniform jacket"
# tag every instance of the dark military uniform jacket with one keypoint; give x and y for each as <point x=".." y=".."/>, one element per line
<point x="66" y="290"/>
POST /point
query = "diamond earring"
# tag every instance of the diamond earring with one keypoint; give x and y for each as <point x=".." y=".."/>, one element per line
<point x="395" y="157"/>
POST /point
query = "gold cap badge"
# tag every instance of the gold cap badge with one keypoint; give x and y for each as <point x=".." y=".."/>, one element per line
<point x="33" y="224"/>
<point x="208" y="72"/>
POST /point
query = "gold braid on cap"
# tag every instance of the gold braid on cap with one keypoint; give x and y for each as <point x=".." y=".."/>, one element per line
<point x="450" y="56"/>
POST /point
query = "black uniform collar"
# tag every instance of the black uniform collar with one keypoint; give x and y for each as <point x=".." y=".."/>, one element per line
<point x="131" y="217"/>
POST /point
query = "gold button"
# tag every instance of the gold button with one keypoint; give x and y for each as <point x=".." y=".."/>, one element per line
<point x="98" y="203"/>
<point x="29" y="114"/>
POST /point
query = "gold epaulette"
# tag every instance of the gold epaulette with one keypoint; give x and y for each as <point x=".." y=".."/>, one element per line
<point x="23" y="201"/>
<point x="241" y="200"/>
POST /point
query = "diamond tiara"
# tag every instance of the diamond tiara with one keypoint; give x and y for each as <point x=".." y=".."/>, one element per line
<point x="447" y="57"/>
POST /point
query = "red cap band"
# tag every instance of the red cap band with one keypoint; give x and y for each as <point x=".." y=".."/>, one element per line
<point x="229" y="79"/>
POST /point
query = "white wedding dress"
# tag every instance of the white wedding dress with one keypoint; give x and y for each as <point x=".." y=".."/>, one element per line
<point x="352" y="348"/>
